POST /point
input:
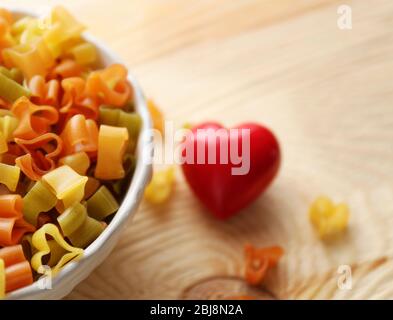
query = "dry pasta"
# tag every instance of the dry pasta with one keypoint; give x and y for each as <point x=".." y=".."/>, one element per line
<point x="63" y="118"/>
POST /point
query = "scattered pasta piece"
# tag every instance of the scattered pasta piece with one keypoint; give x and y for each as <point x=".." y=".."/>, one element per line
<point x="259" y="261"/>
<point x="161" y="186"/>
<point x="328" y="218"/>
<point x="112" y="144"/>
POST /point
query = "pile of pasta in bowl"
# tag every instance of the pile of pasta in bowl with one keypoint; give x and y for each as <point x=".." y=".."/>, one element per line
<point x="68" y="133"/>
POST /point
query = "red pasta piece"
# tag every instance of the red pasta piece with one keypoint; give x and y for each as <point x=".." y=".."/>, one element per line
<point x="40" y="155"/>
<point x="33" y="120"/>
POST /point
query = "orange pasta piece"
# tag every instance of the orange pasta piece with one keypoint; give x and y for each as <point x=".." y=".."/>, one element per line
<point x="75" y="101"/>
<point x="80" y="135"/>
<point x="44" y="93"/>
<point x="109" y="86"/>
<point x="6" y="16"/>
<point x="18" y="272"/>
<point x="12" y="255"/>
<point x="5" y="36"/>
<point x="12" y="224"/>
<point x="18" y="276"/>
<point x="259" y="261"/>
<point x="112" y="143"/>
<point x="67" y="68"/>
<point x="40" y="155"/>
<point x="33" y="120"/>
<point x="10" y="205"/>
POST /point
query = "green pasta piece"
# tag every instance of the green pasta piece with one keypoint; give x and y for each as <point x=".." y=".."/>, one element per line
<point x="87" y="233"/>
<point x="72" y="218"/>
<point x="39" y="199"/>
<point x="14" y="74"/>
<point x="6" y="72"/>
<point x="10" y="90"/>
<point x="101" y="204"/>
<point x="17" y="75"/>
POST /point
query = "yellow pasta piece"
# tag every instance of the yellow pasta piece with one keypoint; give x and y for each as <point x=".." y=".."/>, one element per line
<point x="43" y="247"/>
<point x="8" y="124"/>
<point x="66" y="184"/>
<point x="56" y="252"/>
<point x="84" y="53"/>
<point x="32" y="59"/>
<point x="27" y="244"/>
<point x="161" y="186"/>
<point x="329" y="219"/>
<point x="80" y="162"/>
<point x="39" y="199"/>
<point x="119" y="118"/>
<point x="2" y="279"/>
<point x="9" y="175"/>
<point x="21" y="25"/>
<point x="112" y="143"/>
<point x="32" y="31"/>
<point x="3" y="144"/>
<point x="63" y="28"/>
<point x="102" y="204"/>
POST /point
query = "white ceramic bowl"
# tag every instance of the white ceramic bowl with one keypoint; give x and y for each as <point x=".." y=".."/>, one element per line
<point x="95" y="254"/>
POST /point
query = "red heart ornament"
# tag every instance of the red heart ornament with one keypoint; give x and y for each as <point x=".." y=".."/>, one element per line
<point x="215" y="184"/>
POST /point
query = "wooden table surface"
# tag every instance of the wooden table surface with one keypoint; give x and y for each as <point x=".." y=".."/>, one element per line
<point x="328" y="95"/>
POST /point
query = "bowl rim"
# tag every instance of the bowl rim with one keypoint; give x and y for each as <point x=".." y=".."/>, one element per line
<point x="141" y="176"/>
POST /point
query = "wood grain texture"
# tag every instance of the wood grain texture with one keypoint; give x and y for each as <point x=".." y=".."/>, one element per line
<point x="326" y="93"/>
